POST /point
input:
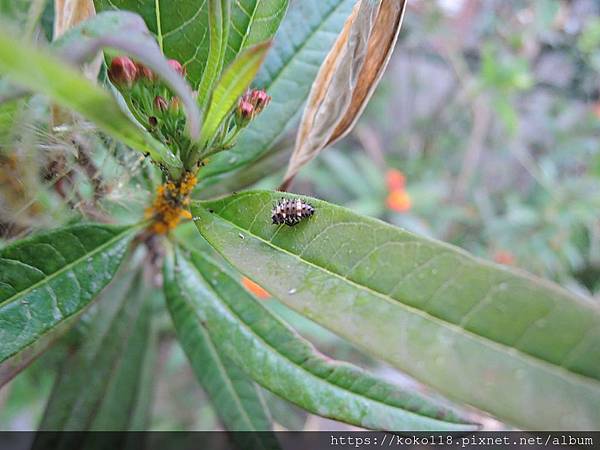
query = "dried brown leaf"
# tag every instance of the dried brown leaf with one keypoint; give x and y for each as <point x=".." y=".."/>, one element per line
<point x="347" y="78"/>
<point x="67" y="14"/>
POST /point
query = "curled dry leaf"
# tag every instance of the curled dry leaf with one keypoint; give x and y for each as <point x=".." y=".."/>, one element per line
<point x="347" y="78"/>
<point x="70" y="13"/>
<point x="67" y="14"/>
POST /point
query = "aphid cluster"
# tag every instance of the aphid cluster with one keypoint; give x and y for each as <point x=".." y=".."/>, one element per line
<point x="291" y="212"/>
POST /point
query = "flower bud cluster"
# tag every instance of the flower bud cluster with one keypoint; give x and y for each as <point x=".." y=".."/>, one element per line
<point x="161" y="112"/>
<point x="150" y="101"/>
<point x="154" y="106"/>
<point x="250" y="105"/>
<point x="125" y="73"/>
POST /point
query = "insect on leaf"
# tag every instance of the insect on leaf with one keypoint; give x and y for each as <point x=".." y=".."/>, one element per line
<point x="450" y="320"/>
<point x="347" y="79"/>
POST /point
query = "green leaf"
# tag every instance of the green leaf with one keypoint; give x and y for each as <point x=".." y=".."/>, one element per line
<point x="14" y="365"/>
<point x="305" y="37"/>
<point x="501" y="340"/>
<point x="269" y="163"/>
<point x="105" y="380"/>
<point x="233" y="83"/>
<point x="253" y="22"/>
<point x="40" y="72"/>
<point x="281" y="361"/>
<point x="219" y="12"/>
<point x="234" y="396"/>
<point x="15" y="10"/>
<point x="46" y="279"/>
<point x="181" y="27"/>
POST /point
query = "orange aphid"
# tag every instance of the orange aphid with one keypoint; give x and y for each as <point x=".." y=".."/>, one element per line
<point x="169" y="206"/>
<point x="398" y="200"/>
<point x="255" y="289"/>
<point x="395" y="180"/>
<point x="185" y="214"/>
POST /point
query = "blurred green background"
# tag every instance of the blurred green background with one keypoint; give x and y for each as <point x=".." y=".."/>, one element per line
<point x="483" y="133"/>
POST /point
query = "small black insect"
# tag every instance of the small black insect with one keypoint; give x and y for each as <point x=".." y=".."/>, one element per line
<point x="291" y="212"/>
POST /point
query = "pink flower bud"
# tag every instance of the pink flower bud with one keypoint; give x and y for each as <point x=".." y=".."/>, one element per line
<point x="244" y="112"/>
<point x="259" y="99"/>
<point x="123" y="71"/>
<point x="160" y="103"/>
<point x="145" y="73"/>
<point x="176" y="65"/>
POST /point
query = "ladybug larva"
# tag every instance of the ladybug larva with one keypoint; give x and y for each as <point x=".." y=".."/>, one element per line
<point x="291" y="212"/>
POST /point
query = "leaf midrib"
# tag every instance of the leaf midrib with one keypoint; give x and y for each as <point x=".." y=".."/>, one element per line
<point x="528" y="358"/>
<point x="250" y="22"/>
<point x="216" y="357"/>
<point x="65" y="268"/>
<point x="312" y="375"/>
<point x="158" y="16"/>
<point x="116" y="363"/>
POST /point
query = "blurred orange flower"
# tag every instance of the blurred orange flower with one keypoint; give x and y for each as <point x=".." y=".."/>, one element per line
<point x="398" y="200"/>
<point x="395" y="180"/>
<point x="255" y="289"/>
<point x="504" y="257"/>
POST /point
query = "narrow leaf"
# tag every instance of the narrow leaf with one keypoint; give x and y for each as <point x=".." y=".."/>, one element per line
<point x="281" y="361"/>
<point x="306" y="35"/>
<point x="234" y="396"/>
<point x="40" y="72"/>
<point x="347" y="78"/>
<point x="219" y="12"/>
<point x="253" y="22"/>
<point x="233" y="83"/>
<point x="100" y="383"/>
<point x="46" y="279"/>
<point x="11" y="367"/>
<point x="496" y="338"/>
